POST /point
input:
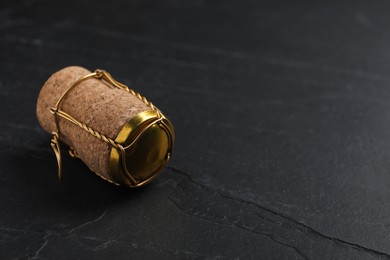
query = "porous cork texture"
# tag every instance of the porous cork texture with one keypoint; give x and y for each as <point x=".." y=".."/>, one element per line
<point x="94" y="102"/>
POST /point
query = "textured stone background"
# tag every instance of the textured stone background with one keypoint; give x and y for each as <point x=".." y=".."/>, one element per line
<point x="282" y="116"/>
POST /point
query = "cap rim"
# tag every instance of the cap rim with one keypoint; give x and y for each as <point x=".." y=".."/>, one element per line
<point x="128" y="136"/>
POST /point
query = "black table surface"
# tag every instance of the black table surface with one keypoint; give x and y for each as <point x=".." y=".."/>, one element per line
<point x="282" y="118"/>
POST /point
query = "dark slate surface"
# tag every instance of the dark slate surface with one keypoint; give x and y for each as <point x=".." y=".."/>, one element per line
<point x="282" y="116"/>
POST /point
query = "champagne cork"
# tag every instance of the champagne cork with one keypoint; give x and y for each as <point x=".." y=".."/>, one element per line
<point x="115" y="131"/>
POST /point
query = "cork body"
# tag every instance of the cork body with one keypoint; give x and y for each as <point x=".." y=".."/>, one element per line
<point x="101" y="106"/>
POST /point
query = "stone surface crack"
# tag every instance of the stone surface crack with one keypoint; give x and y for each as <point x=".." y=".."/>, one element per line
<point x="103" y="244"/>
<point x="246" y="229"/>
<point x="298" y="225"/>
<point x="309" y="230"/>
<point x="88" y="223"/>
<point x="44" y="244"/>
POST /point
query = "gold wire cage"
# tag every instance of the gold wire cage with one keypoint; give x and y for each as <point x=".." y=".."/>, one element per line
<point x="118" y="154"/>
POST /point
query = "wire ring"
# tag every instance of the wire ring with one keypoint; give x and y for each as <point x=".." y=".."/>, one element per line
<point x="57" y="112"/>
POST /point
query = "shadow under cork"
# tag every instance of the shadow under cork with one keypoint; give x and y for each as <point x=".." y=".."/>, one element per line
<point x="35" y="175"/>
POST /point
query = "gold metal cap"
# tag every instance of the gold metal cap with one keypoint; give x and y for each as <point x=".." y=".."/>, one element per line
<point x="147" y="141"/>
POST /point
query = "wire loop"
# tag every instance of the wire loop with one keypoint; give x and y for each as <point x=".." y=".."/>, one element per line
<point x="57" y="112"/>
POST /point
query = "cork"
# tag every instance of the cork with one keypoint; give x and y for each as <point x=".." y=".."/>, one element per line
<point x="94" y="102"/>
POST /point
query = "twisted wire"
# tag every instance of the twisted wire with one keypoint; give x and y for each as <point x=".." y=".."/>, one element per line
<point x="107" y="76"/>
<point x="88" y="129"/>
<point x="56" y="111"/>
